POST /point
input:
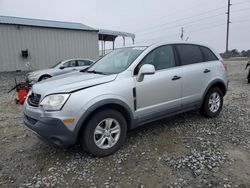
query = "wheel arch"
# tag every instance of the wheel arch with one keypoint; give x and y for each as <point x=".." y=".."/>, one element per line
<point x="115" y="104"/>
<point x="216" y="83"/>
<point x="43" y="76"/>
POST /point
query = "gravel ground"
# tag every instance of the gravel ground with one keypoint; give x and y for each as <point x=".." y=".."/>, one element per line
<point x="187" y="150"/>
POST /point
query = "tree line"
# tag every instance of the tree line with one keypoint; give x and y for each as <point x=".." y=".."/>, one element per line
<point x="236" y="53"/>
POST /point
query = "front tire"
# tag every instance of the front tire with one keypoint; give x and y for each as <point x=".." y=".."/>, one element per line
<point x="212" y="103"/>
<point x="104" y="133"/>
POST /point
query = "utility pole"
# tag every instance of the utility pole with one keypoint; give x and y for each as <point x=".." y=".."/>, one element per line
<point x="228" y="23"/>
<point x="182" y="33"/>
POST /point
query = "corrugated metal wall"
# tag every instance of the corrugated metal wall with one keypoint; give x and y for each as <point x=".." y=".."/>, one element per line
<point x="46" y="46"/>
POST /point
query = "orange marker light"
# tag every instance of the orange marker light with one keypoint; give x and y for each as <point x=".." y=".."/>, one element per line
<point x="69" y="120"/>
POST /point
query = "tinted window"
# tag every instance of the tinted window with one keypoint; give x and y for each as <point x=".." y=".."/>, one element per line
<point x="84" y="62"/>
<point x="189" y="54"/>
<point x="71" y="63"/>
<point x="208" y="54"/>
<point x="161" y="58"/>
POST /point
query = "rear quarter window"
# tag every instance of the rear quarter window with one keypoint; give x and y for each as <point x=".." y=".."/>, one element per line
<point x="208" y="54"/>
<point x="189" y="54"/>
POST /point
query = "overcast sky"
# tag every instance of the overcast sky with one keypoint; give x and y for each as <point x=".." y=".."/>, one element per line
<point x="204" y="21"/>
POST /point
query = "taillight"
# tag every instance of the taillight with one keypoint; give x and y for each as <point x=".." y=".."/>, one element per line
<point x="224" y="64"/>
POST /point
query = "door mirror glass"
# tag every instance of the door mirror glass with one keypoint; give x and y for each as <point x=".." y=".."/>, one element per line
<point x="146" y="69"/>
<point x="61" y="67"/>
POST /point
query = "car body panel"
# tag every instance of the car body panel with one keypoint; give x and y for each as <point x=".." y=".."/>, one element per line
<point x="70" y="82"/>
<point x="166" y="95"/>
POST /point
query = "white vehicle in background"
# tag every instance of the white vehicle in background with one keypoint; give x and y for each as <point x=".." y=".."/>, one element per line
<point x="62" y="67"/>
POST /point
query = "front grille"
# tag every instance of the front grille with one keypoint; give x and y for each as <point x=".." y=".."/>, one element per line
<point x="34" y="99"/>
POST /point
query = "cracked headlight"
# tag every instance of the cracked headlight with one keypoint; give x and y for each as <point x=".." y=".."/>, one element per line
<point x="54" y="102"/>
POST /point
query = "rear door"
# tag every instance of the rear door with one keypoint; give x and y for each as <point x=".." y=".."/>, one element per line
<point x="212" y="66"/>
<point x="160" y="92"/>
<point x="192" y="69"/>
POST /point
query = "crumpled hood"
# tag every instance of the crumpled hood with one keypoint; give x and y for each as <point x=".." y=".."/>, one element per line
<point x="67" y="83"/>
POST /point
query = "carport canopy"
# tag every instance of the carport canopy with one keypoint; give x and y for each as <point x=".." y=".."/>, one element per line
<point x="110" y="36"/>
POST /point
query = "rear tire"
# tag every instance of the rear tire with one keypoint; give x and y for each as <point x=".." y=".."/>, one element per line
<point x="212" y="103"/>
<point x="104" y="133"/>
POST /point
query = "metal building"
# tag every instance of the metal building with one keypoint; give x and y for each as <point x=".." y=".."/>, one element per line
<point x="43" y="43"/>
<point x="110" y="36"/>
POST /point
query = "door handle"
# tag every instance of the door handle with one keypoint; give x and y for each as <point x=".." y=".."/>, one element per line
<point x="176" y="77"/>
<point x="206" y="71"/>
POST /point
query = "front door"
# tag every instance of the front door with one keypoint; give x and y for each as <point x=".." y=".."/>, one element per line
<point x="160" y="92"/>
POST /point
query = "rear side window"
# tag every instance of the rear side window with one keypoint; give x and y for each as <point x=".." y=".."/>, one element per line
<point x="189" y="54"/>
<point x="208" y="54"/>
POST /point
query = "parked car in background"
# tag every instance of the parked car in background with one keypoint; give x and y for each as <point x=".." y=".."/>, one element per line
<point x="60" y="68"/>
<point x="126" y="88"/>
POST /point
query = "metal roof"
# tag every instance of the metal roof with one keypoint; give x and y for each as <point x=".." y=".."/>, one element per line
<point x="109" y="35"/>
<point x="44" y="23"/>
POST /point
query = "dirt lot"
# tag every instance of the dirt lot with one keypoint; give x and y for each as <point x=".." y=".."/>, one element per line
<point x="187" y="150"/>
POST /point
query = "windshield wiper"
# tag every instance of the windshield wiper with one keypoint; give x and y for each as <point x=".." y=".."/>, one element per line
<point x="96" y="72"/>
<point x="84" y="70"/>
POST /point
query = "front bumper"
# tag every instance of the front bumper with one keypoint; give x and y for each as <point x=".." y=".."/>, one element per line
<point x="51" y="130"/>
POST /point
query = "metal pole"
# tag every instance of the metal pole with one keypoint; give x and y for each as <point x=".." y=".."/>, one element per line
<point x="102" y="44"/>
<point x="228" y="23"/>
<point x="123" y="41"/>
<point x="182" y="33"/>
<point x="104" y="47"/>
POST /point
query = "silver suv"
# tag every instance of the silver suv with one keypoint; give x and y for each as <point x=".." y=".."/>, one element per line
<point x="127" y="88"/>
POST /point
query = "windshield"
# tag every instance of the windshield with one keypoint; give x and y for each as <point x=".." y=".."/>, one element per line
<point x="54" y="66"/>
<point x="116" y="61"/>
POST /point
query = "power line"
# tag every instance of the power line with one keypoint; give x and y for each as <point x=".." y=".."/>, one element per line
<point x="177" y="20"/>
<point x="239" y="21"/>
<point x="172" y="12"/>
<point x="180" y="10"/>
<point x="192" y="31"/>
<point x="241" y="9"/>
<point x="183" y="24"/>
<point x="163" y="26"/>
<point x="240" y="3"/>
<point x="210" y="27"/>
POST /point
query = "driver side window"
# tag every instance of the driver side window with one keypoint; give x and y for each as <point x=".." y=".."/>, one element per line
<point x="161" y="57"/>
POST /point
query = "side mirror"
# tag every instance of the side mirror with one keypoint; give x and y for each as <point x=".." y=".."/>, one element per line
<point x="146" y="69"/>
<point x="62" y="67"/>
